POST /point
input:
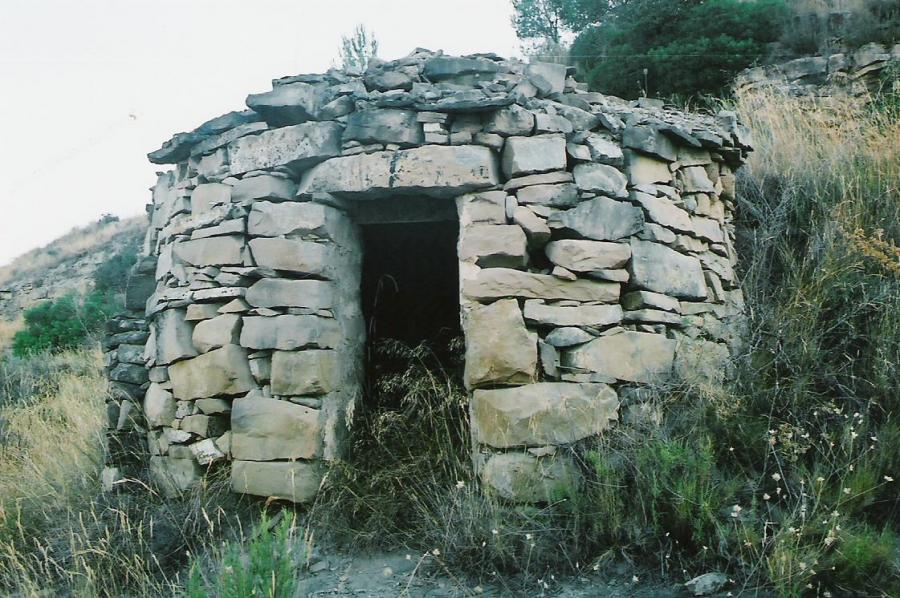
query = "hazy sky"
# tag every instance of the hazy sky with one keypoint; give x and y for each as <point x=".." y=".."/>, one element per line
<point x="88" y="87"/>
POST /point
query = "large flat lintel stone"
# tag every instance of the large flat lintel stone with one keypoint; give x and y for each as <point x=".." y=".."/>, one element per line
<point x="296" y="147"/>
<point x="433" y="170"/>
<point x="497" y="283"/>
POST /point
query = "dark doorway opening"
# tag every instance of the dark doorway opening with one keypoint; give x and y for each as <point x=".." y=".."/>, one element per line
<point x="410" y="282"/>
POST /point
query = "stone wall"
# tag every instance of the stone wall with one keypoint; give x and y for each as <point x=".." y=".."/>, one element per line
<point x="595" y="255"/>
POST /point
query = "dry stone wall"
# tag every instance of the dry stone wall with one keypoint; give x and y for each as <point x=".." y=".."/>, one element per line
<point x="595" y="256"/>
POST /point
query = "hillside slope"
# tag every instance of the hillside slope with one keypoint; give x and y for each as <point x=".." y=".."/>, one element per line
<point x="65" y="265"/>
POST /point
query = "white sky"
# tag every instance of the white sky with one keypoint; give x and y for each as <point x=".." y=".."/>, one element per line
<point x="73" y="71"/>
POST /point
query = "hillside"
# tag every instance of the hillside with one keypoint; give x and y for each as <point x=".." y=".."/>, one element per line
<point x="64" y="265"/>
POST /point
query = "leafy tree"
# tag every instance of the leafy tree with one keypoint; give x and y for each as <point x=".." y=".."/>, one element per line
<point x="666" y="47"/>
<point x="358" y="48"/>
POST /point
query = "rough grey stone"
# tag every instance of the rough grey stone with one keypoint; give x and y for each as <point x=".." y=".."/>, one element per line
<point x="649" y="140"/>
<point x="214" y="251"/>
<point x="304" y="372"/>
<point x="531" y="155"/>
<point x="568" y="336"/>
<point x="297" y="148"/>
<point x="174" y="476"/>
<point x="384" y="126"/>
<point x="159" y="407"/>
<point x="266" y="429"/>
<point x="631" y="356"/>
<point x="601" y="219"/>
<point x="655" y="267"/>
<point x="286" y="104"/>
<point x="263" y="187"/>
<point x="290" y="255"/>
<point x="288" y="332"/>
<point x="276" y="292"/>
<point x="523" y="478"/>
<point x="172" y="334"/>
<point x="581" y="315"/>
<point x="220" y="372"/>
<point x="663" y="211"/>
<point x="643" y="170"/>
<point x="499" y="349"/>
<point x="285" y="480"/>
<point x="217" y="332"/>
<point x="205" y="196"/>
<point x="497" y="283"/>
<point x="584" y="256"/>
<point x="494" y="245"/>
<point x="510" y="121"/>
<point x="542" y="414"/>
<point x="563" y="195"/>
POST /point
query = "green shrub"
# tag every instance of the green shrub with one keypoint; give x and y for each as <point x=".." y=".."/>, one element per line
<point x="64" y="323"/>
<point x="264" y="565"/>
<point x="666" y="47"/>
<point x="112" y="275"/>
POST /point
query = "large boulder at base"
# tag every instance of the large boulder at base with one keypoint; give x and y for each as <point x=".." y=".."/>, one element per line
<point x="542" y="414"/>
<point x="298" y="148"/>
<point x="601" y="219"/>
<point x="174" y="476"/>
<point x="304" y="372"/>
<point x="499" y="349"/>
<point x="497" y="283"/>
<point x="433" y="170"/>
<point x="295" y="481"/>
<point x="266" y="429"/>
<point x="658" y="268"/>
<point x="288" y="332"/>
<point x="520" y="477"/>
<point x="631" y="356"/>
<point x="222" y="372"/>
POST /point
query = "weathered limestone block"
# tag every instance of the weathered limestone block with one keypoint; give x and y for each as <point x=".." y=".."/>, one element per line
<point x="286" y="480"/>
<point x="222" y="372"/>
<point x="600" y="178"/>
<point x="384" y="125"/>
<point x="695" y="180"/>
<point x="437" y="171"/>
<point x="631" y="356"/>
<point x="536" y="230"/>
<point x="512" y="120"/>
<point x="582" y="315"/>
<point x="130" y="354"/>
<point x="206" y="451"/>
<point x="174" y="476"/>
<point x="658" y="268"/>
<point x="548" y="77"/>
<point x="601" y="219"/>
<point x="204" y="426"/>
<point x="214" y="251"/>
<point x="523" y="478"/>
<point x="497" y="283"/>
<point x="584" y="256"/>
<point x="494" y="245"/>
<point x="644" y="170"/>
<point x="701" y="362"/>
<point x="542" y="414"/>
<point x="289" y="332"/>
<point x="205" y="196"/>
<point x="481" y="208"/>
<point x="217" y="332"/>
<point x="291" y="255"/>
<point x="564" y="195"/>
<point x="530" y="155"/>
<point x="604" y="150"/>
<point x="159" y="407"/>
<point x="268" y="219"/>
<point x="172" y="336"/>
<point x="567" y="337"/>
<point x="266" y="429"/>
<point x="649" y="140"/>
<point x="280" y="292"/>
<point x="304" y="372"/>
<point x="264" y="186"/>
<point x="286" y="104"/>
<point x="709" y="229"/>
<point x="649" y="299"/>
<point x="298" y="147"/>
<point x="663" y="211"/>
<point x="499" y="349"/>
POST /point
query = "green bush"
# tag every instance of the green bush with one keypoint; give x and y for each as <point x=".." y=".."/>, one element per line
<point x="112" y="275"/>
<point x="264" y="565"/>
<point x="666" y="47"/>
<point x="64" y="323"/>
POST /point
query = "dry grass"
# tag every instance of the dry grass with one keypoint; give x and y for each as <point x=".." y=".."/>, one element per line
<point x="7" y="331"/>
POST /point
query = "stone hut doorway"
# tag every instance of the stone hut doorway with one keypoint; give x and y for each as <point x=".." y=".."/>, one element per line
<point x="409" y="285"/>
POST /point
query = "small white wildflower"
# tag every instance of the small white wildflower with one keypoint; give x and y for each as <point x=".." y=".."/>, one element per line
<point x="495" y="532"/>
<point x="776" y="477"/>
<point x="436" y="552"/>
<point x="888" y="478"/>
<point x="460" y="485"/>
<point x="634" y="578"/>
<point x="528" y="536"/>
<point x="820" y="479"/>
<point x="766" y="496"/>
<point x="851" y="467"/>
<point x="409" y="557"/>
<point x="778" y="490"/>
<point x="846" y="490"/>
<point x="874" y="438"/>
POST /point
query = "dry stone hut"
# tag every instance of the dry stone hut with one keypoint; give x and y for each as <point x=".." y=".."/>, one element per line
<point x="581" y="243"/>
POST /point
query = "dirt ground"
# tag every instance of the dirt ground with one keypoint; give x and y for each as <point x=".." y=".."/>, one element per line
<point x="420" y="576"/>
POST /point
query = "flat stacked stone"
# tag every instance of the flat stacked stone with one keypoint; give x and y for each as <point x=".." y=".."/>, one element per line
<point x="595" y="253"/>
